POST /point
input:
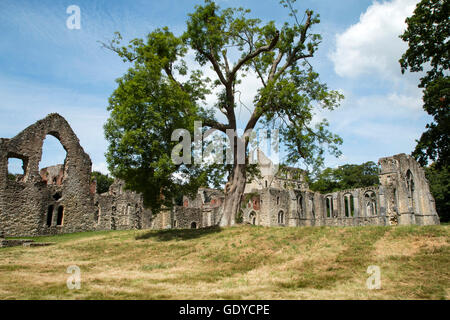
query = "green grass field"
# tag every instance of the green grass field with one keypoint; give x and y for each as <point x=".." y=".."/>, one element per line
<point x="243" y="262"/>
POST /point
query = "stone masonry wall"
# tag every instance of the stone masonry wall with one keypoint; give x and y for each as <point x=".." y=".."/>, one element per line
<point x="62" y="199"/>
<point x="26" y="204"/>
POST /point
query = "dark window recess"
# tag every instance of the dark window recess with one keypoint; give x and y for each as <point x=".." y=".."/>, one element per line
<point x="60" y="216"/>
<point x="49" y="216"/>
<point x="57" y="196"/>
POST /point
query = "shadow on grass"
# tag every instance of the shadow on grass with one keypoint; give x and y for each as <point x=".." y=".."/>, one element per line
<point x="179" y="234"/>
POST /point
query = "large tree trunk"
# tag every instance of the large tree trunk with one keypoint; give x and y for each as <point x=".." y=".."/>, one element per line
<point x="234" y="190"/>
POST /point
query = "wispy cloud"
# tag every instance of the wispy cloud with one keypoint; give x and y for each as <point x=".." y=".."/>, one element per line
<point x="373" y="45"/>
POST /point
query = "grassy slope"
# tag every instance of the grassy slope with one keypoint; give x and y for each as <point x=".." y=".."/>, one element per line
<point x="235" y="263"/>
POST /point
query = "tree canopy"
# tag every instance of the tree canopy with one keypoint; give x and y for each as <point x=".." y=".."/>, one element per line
<point x="427" y="34"/>
<point x="161" y="92"/>
<point x="104" y="181"/>
<point x="439" y="180"/>
<point x="348" y="176"/>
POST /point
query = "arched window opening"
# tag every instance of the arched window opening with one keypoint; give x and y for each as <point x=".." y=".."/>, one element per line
<point x="278" y="200"/>
<point x="194" y="225"/>
<point x="49" y="215"/>
<point x="266" y="183"/>
<point x="53" y="158"/>
<point x="60" y="217"/>
<point x="281" y="217"/>
<point x="410" y="181"/>
<point x="349" y="205"/>
<point x="97" y="215"/>
<point x="252" y="218"/>
<point x="370" y="200"/>
<point x="410" y="186"/>
<point x="174" y="223"/>
<point x="300" y="205"/>
<point x="329" y="205"/>
<point x="311" y="205"/>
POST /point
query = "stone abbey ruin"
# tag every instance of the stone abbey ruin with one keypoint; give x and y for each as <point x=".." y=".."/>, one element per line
<point x="62" y="198"/>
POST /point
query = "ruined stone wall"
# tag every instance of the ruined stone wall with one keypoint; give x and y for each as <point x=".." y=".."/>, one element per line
<point x="26" y="204"/>
<point x="53" y="175"/>
<point x="352" y="207"/>
<point x="188" y="218"/>
<point x="162" y="220"/>
<point x="403" y="197"/>
<point x="62" y="199"/>
<point x="406" y="191"/>
<point x="120" y="209"/>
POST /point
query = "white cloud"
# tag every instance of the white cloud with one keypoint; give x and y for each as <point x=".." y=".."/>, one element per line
<point x="373" y="45"/>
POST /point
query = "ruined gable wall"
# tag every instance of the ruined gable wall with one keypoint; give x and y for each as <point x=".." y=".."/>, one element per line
<point x="24" y="204"/>
<point x="406" y="191"/>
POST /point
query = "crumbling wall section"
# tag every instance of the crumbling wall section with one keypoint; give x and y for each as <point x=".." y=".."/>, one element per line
<point x="25" y="204"/>
<point x="188" y="218"/>
<point x="406" y="192"/>
<point x="120" y="209"/>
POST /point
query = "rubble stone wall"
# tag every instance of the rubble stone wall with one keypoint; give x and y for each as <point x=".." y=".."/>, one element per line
<point x="26" y="204"/>
<point x="62" y="198"/>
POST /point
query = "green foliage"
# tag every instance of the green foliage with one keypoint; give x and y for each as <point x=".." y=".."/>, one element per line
<point x="104" y="181"/>
<point x="146" y="108"/>
<point x="11" y="176"/>
<point x="428" y="35"/>
<point x="160" y="94"/>
<point x="348" y="176"/>
<point x="434" y="144"/>
<point x="439" y="180"/>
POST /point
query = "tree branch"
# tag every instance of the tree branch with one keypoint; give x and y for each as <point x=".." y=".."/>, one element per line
<point x="215" y="64"/>
<point x="275" y="65"/>
<point x="168" y="70"/>
<point x="253" y="54"/>
<point x="121" y="54"/>
<point x="216" y="125"/>
<point x="293" y="55"/>
<point x="259" y="74"/>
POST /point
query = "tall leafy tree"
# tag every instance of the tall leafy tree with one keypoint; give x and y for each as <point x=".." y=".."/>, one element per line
<point x="145" y="109"/>
<point x="440" y="188"/>
<point x="428" y="34"/>
<point x="347" y="176"/>
<point x="160" y="93"/>
<point x="104" y="181"/>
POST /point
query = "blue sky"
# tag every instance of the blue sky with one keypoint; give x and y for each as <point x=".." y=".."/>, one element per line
<point x="46" y="67"/>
